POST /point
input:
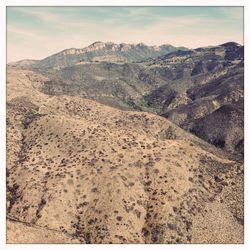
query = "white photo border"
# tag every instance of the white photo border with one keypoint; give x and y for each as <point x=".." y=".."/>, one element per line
<point x="3" y="49"/>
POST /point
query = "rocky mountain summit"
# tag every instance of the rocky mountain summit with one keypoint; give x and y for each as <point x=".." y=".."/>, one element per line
<point x="100" y="51"/>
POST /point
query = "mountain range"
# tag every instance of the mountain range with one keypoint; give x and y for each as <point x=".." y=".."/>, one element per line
<point x="185" y="86"/>
<point x="119" y="143"/>
<point x="100" y="51"/>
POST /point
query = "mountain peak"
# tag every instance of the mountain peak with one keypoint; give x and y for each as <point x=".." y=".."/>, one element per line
<point x="97" y="45"/>
<point x="230" y="44"/>
<point x="141" y="44"/>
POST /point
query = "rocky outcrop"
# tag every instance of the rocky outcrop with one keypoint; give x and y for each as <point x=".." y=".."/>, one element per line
<point x="98" y="51"/>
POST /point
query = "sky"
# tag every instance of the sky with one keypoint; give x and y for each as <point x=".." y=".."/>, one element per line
<point x="37" y="32"/>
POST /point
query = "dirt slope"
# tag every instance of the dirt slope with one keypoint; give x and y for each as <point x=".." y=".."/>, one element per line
<point x="96" y="174"/>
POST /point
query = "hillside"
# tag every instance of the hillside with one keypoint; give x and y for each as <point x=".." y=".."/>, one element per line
<point x="82" y="171"/>
<point x="210" y="97"/>
<point x="187" y="87"/>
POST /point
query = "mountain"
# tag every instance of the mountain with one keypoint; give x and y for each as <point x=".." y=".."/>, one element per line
<point x="79" y="171"/>
<point x="191" y="88"/>
<point x="208" y="97"/>
<point x="100" y="51"/>
<point x="23" y="63"/>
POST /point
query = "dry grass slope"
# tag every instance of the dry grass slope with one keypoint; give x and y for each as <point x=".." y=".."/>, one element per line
<point x="82" y="172"/>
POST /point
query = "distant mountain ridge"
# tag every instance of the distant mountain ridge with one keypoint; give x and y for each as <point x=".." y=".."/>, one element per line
<point x="100" y="51"/>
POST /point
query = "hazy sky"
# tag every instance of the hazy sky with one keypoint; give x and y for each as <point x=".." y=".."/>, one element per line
<point x="37" y="32"/>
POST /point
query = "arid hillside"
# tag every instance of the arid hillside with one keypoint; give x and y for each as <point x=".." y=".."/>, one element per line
<point x="79" y="171"/>
<point x="200" y="90"/>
